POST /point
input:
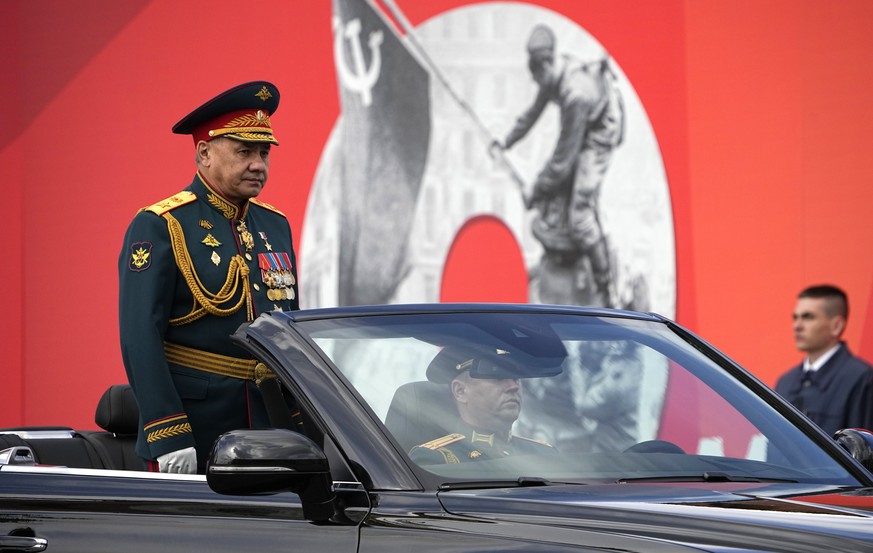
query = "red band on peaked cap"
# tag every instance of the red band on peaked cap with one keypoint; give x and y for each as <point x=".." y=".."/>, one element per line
<point x="242" y="101"/>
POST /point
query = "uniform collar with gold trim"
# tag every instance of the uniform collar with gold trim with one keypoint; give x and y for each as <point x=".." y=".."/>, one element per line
<point x="210" y="195"/>
<point x="489" y="438"/>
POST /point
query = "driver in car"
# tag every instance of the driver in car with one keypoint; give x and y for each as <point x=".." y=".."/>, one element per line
<point x="488" y="396"/>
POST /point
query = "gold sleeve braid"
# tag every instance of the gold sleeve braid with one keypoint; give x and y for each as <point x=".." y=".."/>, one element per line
<point x="206" y="302"/>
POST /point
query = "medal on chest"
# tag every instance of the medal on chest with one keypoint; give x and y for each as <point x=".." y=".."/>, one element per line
<point x="277" y="274"/>
<point x="245" y="237"/>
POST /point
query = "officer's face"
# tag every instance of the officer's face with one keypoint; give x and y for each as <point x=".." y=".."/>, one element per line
<point x="489" y="404"/>
<point x="814" y="330"/>
<point x="237" y="169"/>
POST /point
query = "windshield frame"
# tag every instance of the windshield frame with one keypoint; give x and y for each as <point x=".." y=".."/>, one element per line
<point x="682" y="343"/>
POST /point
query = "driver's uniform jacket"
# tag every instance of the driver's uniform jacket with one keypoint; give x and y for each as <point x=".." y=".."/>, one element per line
<point x="192" y="269"/>
<point x="469" y="444"/>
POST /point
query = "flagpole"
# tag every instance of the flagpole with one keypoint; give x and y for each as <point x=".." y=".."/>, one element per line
<point x="412" y="38"/>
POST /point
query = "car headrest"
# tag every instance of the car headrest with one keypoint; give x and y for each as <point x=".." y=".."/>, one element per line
<point x="117" y="411"/>
<point x="420" y="412"/>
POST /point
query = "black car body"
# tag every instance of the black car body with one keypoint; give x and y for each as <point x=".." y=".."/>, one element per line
<point x="627" y="402"/>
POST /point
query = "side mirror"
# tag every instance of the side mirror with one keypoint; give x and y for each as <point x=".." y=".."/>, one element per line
<point x="859" y="443"/>
<point x="252" y="462"/>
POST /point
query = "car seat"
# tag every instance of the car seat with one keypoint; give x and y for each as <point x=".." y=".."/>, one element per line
<point x="420" y="412"/>
<point x="118" y="415"/>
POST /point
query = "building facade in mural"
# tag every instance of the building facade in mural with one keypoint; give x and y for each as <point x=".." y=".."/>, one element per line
<point x="408" y="165"/>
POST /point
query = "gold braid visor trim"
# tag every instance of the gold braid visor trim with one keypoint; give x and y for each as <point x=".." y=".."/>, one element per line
<point x="215" y="363"/>
<point x="254" y="137"/>
<point x="242" y="130"/>
<point x="206" y="302"/>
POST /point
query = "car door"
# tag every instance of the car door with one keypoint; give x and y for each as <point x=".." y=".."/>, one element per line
<point x="57" y="509"/>
<point x="62" y="509"/>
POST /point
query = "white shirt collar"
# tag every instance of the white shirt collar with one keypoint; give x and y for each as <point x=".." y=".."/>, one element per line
<point x="807" y="366"/>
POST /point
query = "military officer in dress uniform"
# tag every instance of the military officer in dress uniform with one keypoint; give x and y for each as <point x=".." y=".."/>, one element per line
<point x="194" y="267"/>
<point x="488" y="396"/>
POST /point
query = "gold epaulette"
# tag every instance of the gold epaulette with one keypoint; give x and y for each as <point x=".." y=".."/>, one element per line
<point x="171" y="203"/>
<point x="266" y="206"/>
<point x="541" y="442"/>
<point x="443" y="442"/>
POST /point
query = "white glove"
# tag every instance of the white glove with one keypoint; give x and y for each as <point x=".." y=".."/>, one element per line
<point x="182" y="461"/>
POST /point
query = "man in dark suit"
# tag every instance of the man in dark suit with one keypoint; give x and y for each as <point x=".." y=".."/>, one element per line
<point x="192" y="269"/>
<point x="832" y="387"/>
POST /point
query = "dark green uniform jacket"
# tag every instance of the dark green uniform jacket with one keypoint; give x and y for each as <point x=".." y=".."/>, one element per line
<point x="469" y="444"/>
<point x="192" y="269"/>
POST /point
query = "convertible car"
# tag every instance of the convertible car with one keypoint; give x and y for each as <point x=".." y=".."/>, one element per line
<point x="622" y="432"/>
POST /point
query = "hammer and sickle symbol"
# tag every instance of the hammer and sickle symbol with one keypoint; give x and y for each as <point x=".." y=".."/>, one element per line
<point x="359" y="79"/>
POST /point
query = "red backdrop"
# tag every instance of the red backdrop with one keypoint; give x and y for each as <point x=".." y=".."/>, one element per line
<point x="760" y="110"/>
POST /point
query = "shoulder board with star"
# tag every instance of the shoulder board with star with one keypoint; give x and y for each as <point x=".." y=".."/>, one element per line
<point x="443" y="442"/>
<point x="541" y="442"/>
<point x="171" y="203"/>
<point x="266" y="206"/>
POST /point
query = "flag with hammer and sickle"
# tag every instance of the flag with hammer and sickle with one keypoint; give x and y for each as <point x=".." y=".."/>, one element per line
<point x="385" y="130"/>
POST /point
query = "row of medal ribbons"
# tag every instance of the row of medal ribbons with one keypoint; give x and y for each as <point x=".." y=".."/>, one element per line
<point x="278" y="275"/>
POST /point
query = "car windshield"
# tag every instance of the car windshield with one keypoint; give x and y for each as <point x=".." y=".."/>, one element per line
<point x="564" y="398"/>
